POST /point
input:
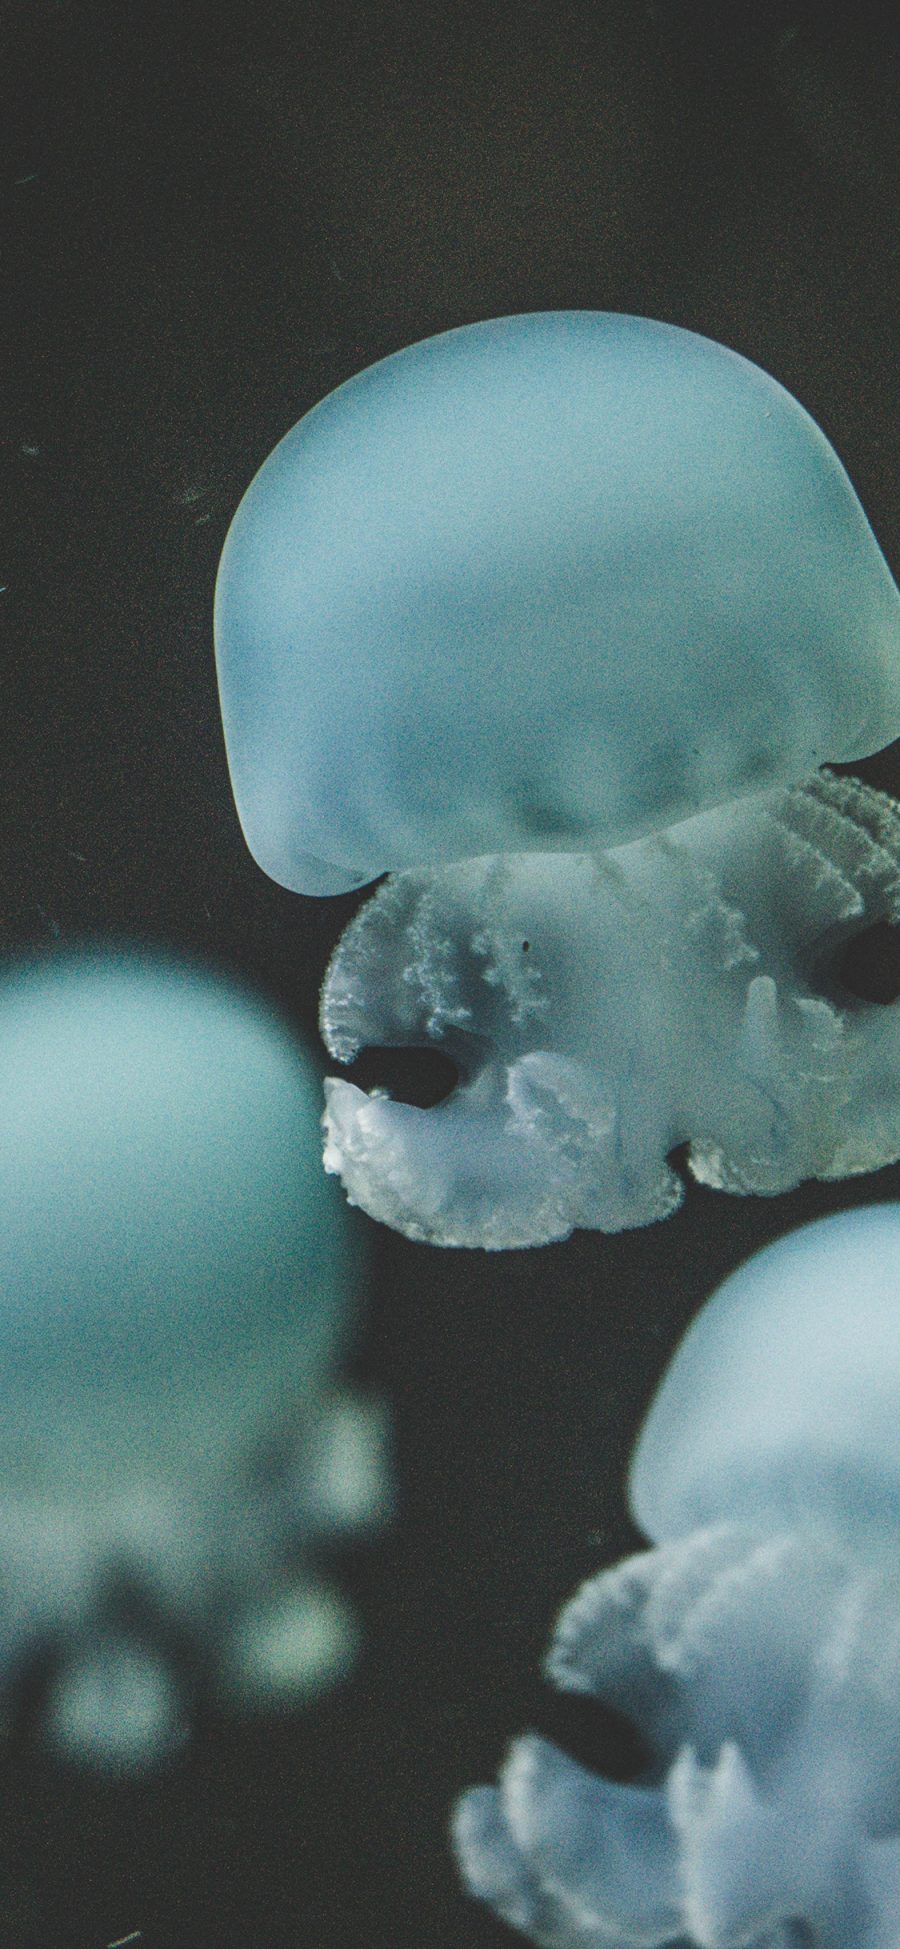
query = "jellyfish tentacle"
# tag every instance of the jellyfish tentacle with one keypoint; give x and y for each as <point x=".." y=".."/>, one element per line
<point x="571" y="1853"/>
<point x="606" y="1851"/>
<point x="496" y="1871"/>
<point x="115" y="1704"/>
<point x="747" y="1864"/>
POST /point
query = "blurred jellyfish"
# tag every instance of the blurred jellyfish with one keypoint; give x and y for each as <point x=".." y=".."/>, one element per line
<point x="688" y="989"/>
<point x="543" y="584"/>
<point x="176" y="1285"/>
<point x="757" y="1645"/>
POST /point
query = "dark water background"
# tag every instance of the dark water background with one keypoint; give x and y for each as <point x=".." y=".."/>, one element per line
<point x="209" y="216"/>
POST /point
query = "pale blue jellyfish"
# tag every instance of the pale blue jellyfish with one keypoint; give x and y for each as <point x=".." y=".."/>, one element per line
<point x="507" y="600"/>
<point x="176" y="1283"/>
<point x="542" y="584"/>
<point x="604" y="1009"/>
<point x="756" y="1645"/>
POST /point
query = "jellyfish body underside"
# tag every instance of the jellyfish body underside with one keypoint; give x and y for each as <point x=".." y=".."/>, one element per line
<point x="603" y="1009"/>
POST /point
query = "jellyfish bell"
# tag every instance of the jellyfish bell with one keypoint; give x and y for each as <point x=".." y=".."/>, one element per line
<point x="177" y="1282"/>
<point x="785" y="1390"/>
<point x="542" y="583"/>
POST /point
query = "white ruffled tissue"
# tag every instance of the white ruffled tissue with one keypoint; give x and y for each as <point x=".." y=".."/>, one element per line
<point x="602" y="1010"/>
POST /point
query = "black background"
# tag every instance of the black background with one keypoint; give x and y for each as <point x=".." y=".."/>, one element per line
<point x="211" y="215"/>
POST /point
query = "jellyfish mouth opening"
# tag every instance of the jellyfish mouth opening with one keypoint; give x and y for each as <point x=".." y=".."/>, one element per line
<point x="593" y="1733"/>
<point x="31" y="1683"/>
<point x="867" y="967"/>
<point x="678" y="1159"/>
<point x="420" y="1075"/>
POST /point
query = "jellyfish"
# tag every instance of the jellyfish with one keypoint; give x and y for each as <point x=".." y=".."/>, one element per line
<point x="756" y="1644"/>
<point x="602" y="1010"/>
<point x="177" y="1283"/>
<point x="542" y="584"/>
<point x="536" y="615"/>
